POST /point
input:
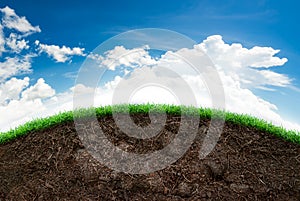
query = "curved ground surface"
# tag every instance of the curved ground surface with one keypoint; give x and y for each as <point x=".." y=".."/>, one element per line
<point x="246" y="164"/>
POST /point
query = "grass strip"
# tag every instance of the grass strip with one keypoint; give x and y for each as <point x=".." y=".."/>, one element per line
<point x="205" y="113"/>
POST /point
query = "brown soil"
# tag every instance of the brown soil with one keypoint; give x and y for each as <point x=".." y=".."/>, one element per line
<point x="246" y="164"/>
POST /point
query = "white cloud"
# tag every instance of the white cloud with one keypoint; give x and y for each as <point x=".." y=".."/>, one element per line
<point x="60" y="54"/>
<point x="18" y="112"/>
<point x="2" y="40"/>
<point x="275" y="79"/>
<point x="38" y="91"/>
<point x="235" y="54"/>
<point x="15" y="44"/>
<point x="119" y="56"/>
<point x="12" y="21"/>
<point x="20" y="103"/>
<point x="14" y="66"/>
<point x="12" y="89"/>
<point x="245" y="65"/>
<point x="112" y="84"/>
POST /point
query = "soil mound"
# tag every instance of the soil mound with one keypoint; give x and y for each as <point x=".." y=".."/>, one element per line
<point x="246" y="164"/>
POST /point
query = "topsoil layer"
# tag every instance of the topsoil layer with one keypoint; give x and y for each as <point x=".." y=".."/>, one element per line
<point x="246" y="164"/>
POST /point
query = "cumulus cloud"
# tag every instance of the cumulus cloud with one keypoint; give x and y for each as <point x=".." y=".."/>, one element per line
<point x="60" y="54"/>
<point x="26" y="111"/>
<point x="15" y="44"/>
<point x="12" y="89"/>
<point x="119" y="56"/>
<point x="20" y="103"/>
<point x="247" y="66"/>
<point x="237" y="55"/>
<point x="12" y="66"/>
<point x="12" y="21"/>
<point x="38" y="91"/>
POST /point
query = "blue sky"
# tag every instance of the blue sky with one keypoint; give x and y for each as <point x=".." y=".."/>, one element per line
<point x="86" y="24"/>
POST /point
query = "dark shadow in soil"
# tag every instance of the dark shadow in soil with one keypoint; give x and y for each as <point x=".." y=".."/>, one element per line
<point x="246" y="164"/>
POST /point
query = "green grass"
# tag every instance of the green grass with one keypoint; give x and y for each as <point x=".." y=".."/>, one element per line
<point x="64" y="117"/>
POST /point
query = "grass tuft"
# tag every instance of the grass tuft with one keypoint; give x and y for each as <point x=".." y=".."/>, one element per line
<point x="205" y="113"/>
